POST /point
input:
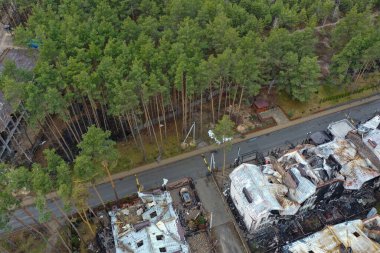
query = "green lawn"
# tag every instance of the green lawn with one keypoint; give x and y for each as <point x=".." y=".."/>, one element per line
<point x="131" y="156"/>
<point x="295" y="109"/>
<point x="25" y="242"/>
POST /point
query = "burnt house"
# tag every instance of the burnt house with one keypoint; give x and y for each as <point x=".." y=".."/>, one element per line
<point x="351" y="236"/>
<point x="304" y="178"/>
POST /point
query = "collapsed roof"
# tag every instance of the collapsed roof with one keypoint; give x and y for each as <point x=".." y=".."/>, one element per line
<point x="355" y="169"/>
<point x="257" y="192"/>
<point x="283" y="185"/>
<point x="350" y="236"/>
<point x="371" y="135"/>
<point x="151" y="225"/>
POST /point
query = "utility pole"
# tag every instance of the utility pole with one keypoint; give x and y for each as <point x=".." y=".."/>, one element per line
<point x="140" y="187"/>
<point x="192" y="128"/>
<point x="237" y="159"/>
<point x="206" y="163"/>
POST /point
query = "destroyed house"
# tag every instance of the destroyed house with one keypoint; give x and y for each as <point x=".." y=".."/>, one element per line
<point x="357" y="236"/>
<point x="258" y="196"/>
<point x="151" y="225"/>
<point x="354" y="169"/>
<point x="302" y="179"/>
<point x="370" y="133"/>
<point x="317" y="171"/>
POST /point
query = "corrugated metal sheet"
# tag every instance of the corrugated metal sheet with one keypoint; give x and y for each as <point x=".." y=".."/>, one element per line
<point x="266" y="195"/>
<point x="340" y="128"/>
<point x="333" y="238"/>
<point x="374" y="136"/>
<point x="355" y="168"/>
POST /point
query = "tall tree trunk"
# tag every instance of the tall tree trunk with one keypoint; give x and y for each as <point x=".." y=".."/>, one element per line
<point x="94" y="111"/>
<point x="57" y="139"/>
<point x="131" y="129"/>
<point x="105" y="167"/>
<point x="67" y="218"/>
<point x="175" y="119"/>
<point x="164" y="114"/>
<point x="224" y="159"/>
<point x="241" y="98"/>
<point x="85" y="220"/>
<point x="226" y="97"/>
<point x="32" y="229"/>
<point x="2" y="249"/>
<point x="29" y="214"/>
<point x="13" y="21"/>
<point x="59" y="234"/>
<point x="189" y="110"/>
<point x="212" y="105"/>
<point x="151" y="125"/>
<point x="361" y="71"/>
<point x="183" y="113"/>
<point x="139" y="135"/>
<point x="234" y="99"/>
<point x="159" y="120"/>
<point x="70" y="122"/>
<point x="122" y="128"/>
<point x="146" y="120"/>
<point x="24" y="128"/>
<point x="71" y="134"/>
<point x="116" y="123"/>
<point x="76" y="117"/>
<point x="22" y="149"/>
<point x="104" y="115"/>
<point x="201" y="119"/>
<point x="38" y="223"/>
<point x="59" y="133"/>
<point x="87" y="112"/>
<point x="98" y="195"/>
<point x="220" y="96"/>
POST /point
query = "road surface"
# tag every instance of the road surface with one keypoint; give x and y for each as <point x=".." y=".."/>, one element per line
<point x="194" y="167"/>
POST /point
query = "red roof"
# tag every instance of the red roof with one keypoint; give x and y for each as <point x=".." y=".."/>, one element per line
<point x="261" y="103"/>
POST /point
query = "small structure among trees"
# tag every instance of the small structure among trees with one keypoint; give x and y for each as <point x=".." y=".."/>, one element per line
<point x="260" y="105"/>
<point x="11" y="131"/>
<point x="14" y="139"/>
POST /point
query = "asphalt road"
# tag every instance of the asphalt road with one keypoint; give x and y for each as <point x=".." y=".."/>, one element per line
<point x="195" y="168"/>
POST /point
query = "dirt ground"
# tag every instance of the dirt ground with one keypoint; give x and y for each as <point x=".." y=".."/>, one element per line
<point x="199" y="243"/>
<point x="198" y="238"/>
<point x="5" y="39"/>
<point x="277" y="114"/>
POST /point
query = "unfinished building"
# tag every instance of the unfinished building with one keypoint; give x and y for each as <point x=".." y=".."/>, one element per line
<point x="14" y="139"/>
<point x="150" y="225"/>
<point x="338" y="178"/>
<point x="351" y="236"/>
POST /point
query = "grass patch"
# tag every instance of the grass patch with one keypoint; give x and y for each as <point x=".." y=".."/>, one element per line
<point x="131" y="156"/>
<point x="24" y="242"/>
<point x="295" y="109"/>
<point x="86" y="236"/>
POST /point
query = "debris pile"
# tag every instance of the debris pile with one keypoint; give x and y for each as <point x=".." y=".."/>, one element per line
<point x="322" y="184"/>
